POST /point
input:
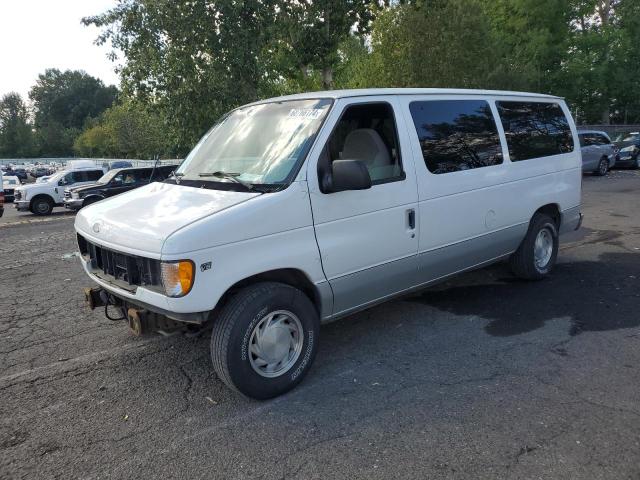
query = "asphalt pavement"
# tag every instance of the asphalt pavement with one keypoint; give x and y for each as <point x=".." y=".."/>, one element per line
<point x="484" y="376"/>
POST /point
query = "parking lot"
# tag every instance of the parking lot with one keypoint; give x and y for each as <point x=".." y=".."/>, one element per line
<point x="482" y="377"/>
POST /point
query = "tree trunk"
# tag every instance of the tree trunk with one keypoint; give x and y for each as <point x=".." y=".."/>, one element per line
<point x="327" y="78"/>
<point x="605" y="115"/>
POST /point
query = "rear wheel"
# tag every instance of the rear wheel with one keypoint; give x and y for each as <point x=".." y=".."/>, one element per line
<point x="42" y="206"/>
<point x="603" y="167"/>
<point x="265" y="339"/>
<point x="537" y="254"/>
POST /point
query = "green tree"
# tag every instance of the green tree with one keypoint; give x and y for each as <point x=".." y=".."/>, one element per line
<point x="193" y="60"/>
<point x="445" y="43"/>
<point x="62" y="102"/>
<point x="16" y="137"/>
<point x="599" y="72"/>
<point x="306" y="36"/>
<point x="128" y="130"/>
<point x="531" y="39"/>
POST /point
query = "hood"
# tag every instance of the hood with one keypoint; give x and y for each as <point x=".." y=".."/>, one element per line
<point x="139" y="221"/>
<point x="31" y="187"/>
<point x="622" y="145"/>
<point x="85" y="188"/>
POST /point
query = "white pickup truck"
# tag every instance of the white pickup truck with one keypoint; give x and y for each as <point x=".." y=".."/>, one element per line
<point x="40" y="198"/>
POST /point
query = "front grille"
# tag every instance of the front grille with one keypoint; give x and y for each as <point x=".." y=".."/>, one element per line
<point x="120" y="267"/>
<point x="18" y="195"/>
<point x="8" y="191"/>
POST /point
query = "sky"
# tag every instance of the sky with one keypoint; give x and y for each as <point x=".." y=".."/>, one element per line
<point x="40" y="34"/>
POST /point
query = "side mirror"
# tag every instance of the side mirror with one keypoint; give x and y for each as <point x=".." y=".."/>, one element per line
<point x="61" y="182"/>
<point x="348" y="175"/>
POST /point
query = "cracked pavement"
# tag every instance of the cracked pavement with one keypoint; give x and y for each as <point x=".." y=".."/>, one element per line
<point x="481" y="377"/>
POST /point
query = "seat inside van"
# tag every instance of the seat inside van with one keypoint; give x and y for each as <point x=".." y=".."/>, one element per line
<point x="366" y="132"/>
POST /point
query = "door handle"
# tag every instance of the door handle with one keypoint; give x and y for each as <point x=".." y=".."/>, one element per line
<point x="411" y="218"/>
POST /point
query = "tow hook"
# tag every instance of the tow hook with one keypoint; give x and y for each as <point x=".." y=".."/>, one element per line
<point x="137" y="322"/>
<point x="95" y="297"/>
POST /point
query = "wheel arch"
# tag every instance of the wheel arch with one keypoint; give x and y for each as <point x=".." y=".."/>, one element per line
<point x="93" y="198"/>
<point x="288" y="276"/>
<point x="41" y="195"/>
<point x="551" y="209"/>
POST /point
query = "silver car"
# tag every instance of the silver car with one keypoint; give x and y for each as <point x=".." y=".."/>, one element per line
<point x="598" y="153"/>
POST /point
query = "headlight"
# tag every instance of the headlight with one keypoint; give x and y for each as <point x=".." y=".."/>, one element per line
<point x="75" y="195"/>
<point x="630" y="148"/>
<point x="177" y="277"/>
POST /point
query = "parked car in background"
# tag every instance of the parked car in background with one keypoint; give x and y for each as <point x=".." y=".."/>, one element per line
<point x="598" y="152"/>
<point x="629" y="149"/>
<point x="1" y="196"/>
<point x="120" y="164"/>
<point x="300" y="210"/>
<point x="113" y="183"/>
<point x="41" y="198"/>
<point x="21" y="173"/>
<point x="9" y="184"/>
<point x="39" y="171"/>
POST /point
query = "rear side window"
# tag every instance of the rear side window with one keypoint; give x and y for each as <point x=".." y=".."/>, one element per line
<point x="456" y="135"/>
<point x="535" y="129"/>
<point x="86" y="175"/>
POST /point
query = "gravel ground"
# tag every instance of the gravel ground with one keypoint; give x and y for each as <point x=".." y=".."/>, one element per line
<point x="482" y="377"/>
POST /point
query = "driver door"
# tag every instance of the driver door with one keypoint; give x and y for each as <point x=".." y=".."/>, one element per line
<point x="368" y="239"/>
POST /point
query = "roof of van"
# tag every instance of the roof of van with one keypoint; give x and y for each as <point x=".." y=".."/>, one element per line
<point x="405" y="91"/>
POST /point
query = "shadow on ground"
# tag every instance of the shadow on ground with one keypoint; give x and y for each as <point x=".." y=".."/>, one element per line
<point x="596" y="296"/>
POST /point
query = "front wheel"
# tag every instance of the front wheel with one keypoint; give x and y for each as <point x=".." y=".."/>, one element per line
<point x="537" y="254"/>
<point x="42" y="206"/>
<point x="265" y="339"/>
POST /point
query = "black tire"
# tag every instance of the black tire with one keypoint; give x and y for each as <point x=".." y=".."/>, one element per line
<point x="603" y="167"/>
<point x="232" y="334"/>
<point x="42" y="206"/>
<point x="523" y="262"/>
<point x="636" y="163"/>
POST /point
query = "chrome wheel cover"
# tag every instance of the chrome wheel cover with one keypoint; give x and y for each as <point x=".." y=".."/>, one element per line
<point x="275" y="343"/>
<point x="604" y="167"/>
<point x="543" y="248"/>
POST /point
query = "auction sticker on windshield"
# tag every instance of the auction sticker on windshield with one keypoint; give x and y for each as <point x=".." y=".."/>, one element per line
<point x="306" y="113"/>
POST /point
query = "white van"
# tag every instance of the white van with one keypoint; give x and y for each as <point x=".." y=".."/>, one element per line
<point x="300" y="210"/>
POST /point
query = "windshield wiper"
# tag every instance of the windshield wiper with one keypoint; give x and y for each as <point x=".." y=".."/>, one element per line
<point x="229" y="176"/>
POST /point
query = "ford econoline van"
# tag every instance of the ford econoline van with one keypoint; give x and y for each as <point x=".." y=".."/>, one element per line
<point x="299" y="210"/>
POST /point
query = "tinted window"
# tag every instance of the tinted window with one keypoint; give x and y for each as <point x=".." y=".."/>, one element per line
<point x="94" y="175"/>
<point x="86" y="176"/>
<point x="587" y="139"/>
<point x="535" y="129"/>
<point x="456" y="135"/>
<point x="602" y="140"/>
<point x="163" y="172"/>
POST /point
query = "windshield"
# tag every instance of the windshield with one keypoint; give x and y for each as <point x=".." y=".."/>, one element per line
<point x="628" y="137"/>
<point x="259" y="144"/>
<point x="107" y="177"/>
<point x="11" y="181"/>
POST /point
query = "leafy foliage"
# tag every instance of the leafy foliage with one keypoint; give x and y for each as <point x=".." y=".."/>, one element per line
<point x="16" y="138"/>
<point x="127" y="130"/>
<point x="62" y="103"/>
